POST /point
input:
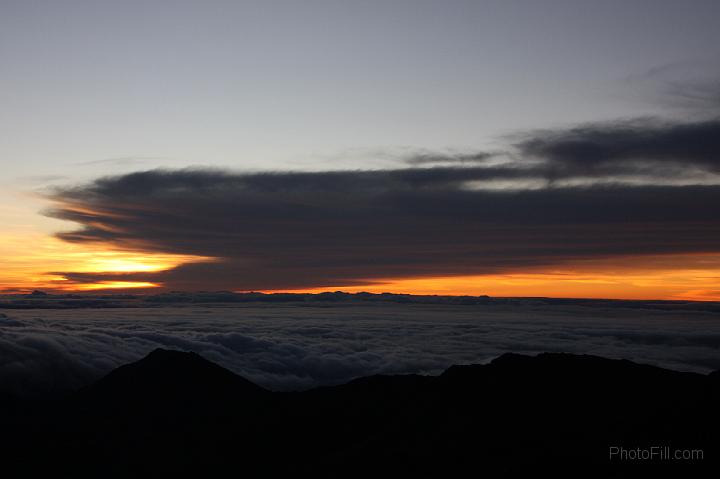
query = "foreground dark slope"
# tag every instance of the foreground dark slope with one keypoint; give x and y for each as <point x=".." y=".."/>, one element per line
<point x="176" y="414"/>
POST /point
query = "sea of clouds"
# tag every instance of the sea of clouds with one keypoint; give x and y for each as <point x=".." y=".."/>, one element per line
<point x="293" y="346"/>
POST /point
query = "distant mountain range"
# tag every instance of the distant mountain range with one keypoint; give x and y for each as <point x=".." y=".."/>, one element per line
<point x="175" y="414"/>
<point x="42" y="300"/>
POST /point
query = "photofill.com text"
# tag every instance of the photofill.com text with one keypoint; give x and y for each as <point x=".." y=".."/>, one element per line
<point x="655" y="453"/>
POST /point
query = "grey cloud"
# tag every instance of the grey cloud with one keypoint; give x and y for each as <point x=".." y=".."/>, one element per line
<point x="289" y="230"/>
<point x="704" y="94"/>
<point x="427" y="158"/>
<point x="688" y="85"/>
<point x="6" y="321"/>
<point x="643" y="186"/>
<point x="627" y="147"/>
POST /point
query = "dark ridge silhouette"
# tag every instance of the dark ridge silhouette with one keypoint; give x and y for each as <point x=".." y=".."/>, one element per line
<point x="175" y="414"/>
<point x="170" y="377"/>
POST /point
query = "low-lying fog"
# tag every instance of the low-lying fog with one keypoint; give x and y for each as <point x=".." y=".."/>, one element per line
<point x="299" y="346"/>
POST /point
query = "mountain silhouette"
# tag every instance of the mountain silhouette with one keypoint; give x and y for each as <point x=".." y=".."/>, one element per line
<point x="172" y="378"/>
<point x="175" y="414"/>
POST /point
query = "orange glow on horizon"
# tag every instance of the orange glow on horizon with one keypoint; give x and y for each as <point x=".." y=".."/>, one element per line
<point x="101" y="285"/>
<point x="33" y="261"/>
<point x="638" y="278"/>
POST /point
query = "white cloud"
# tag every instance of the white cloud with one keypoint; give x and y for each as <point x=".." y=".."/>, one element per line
<point x="287" y="346"/>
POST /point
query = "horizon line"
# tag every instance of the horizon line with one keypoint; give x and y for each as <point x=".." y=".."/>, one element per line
<point x="39" y="294"/>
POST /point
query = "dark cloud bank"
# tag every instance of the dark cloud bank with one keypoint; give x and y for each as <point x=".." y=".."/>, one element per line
<point x="596" y="191"/>
<point x="298" y="346"/>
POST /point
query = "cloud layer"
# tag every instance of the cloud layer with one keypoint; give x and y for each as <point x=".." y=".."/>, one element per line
<point x="597" y="191"/>
<point x="647" y="148"/>
<point x="292" y="346"/>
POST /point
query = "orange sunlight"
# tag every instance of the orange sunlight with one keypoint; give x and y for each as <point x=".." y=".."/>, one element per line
<point x="652" y="277"/>
<point x="102" y="285"/>
<point x="31" y="261"/>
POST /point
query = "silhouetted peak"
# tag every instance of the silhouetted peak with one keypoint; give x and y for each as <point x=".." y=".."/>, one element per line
<point x="505" y="361"/>
<point x="174" y="376"/>
<point x="512" y="359"/>
<point x="161" y="354"/>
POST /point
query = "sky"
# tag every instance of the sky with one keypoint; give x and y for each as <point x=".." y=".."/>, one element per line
<point x="510" y="148"/>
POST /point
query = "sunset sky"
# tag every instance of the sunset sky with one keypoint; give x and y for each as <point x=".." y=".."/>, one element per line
<point x="562" y="148"/>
